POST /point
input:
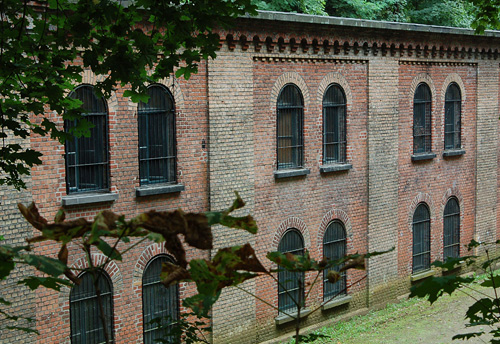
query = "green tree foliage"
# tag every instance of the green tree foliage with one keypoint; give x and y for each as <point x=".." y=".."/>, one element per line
<point x="46" y="45"/>
<point x="483" y="315"/>
<point x="458" y="13"/>
<point x="299" y="6"/>
<point x="230" y="267"/>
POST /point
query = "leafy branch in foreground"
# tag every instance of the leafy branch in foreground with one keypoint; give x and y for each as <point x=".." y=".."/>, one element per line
<point x="229" y="267"/>
<point x="485" y="311"/>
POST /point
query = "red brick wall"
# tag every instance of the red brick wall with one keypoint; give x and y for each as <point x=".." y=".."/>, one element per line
<point x="435" y="181"/>
<point x="49" y="187"/>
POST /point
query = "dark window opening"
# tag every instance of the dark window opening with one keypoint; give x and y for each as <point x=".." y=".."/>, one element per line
<point x="452" y="117"/>
<point x="290" y="116"/>
<point x="451" y="225"/>
<point x="157" y="146"/>
<point x="291" y="284"/>
<point x="421" y="239"/>
<point x="334" y="125"/>
<point x="85" y="315"/>
<point x="160" y="304"/>
<point x="334" y="248"/>
<point x="422" y="106"/>
<point x="87" y="165"/>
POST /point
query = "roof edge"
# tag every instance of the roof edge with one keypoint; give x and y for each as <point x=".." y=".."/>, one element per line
<point x="365" y="23"/>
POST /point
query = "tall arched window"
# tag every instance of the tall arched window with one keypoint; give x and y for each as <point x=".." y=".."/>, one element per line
<point x="452" y="117"/>
<point x="160" y="304"/>
<point x="289" y="140"/>
<point x="451" y="225"/>
<point x="157" y="147"/>
<point x="421" y="238"/>
<point x="334" y="247"/>
<point x="293" y="282"/>
<point x="85" y="315"/>
<point x="422" y="106"/>
<point x="334" y="125"/>
<point x="87" y="165"/>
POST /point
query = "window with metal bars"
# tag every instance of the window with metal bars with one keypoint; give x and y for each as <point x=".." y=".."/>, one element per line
<point x="85" y="314"/>
<point x="160" y="304"/>
<point x="291" y="284"/>
<point x="87" y="165"/>
<point x="157" y="145"/>
<point x="422" y="107"/>
<point x="334" y="125"/>
<point x="421" y="238"/>
<point x="289" y="129"/>
<point x="334" y="247"/>
<point x="452" y="117"/>
<point x="451" y="226"/>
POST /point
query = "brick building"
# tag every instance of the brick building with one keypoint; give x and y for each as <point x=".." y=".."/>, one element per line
<point x="342" y="135"/>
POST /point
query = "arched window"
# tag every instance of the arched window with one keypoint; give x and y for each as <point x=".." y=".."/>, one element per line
<point x="160" y="304"/>
<point x="289" y="140"/>
<point x="293" y="282"/>
<point x="157" y="150"/>
<point x="451" y="225"/>
<point x="452" y="117"/>
<point x="85" y="315"/>
<point x="422" y="106"/>
<point x="87" y="165"/>
<point x="334" y="247"/>
<point x="421" y="238"/>
<point x="334" y="125"/>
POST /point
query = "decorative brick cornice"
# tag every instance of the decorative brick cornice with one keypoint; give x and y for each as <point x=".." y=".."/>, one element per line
<point x="326" y="46"/>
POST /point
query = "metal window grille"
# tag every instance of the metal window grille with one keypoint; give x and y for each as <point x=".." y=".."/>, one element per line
<point x="157" y="146"/>
<point x="160" y="304"/>
<point x="421" y="239"/>
<point x="334" y="125"/>
<point x="452" y="117"/>
<point x="289" y="290"/>
<point x="422" y="105"/>
<point x="451" y="225"/>
<point x="85" y="315"/>
<point x="87" y="166"/>
<point x="290" y="113"/>
<point x="334" y="247"/>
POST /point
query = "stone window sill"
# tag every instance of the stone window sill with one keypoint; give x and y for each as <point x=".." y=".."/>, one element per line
<point x="456" y="267"/>
<point x="291" y="173"/>
<point x="336" y="302"/>
<point x="88" y="198"/>
<point x="422" y="275"/>
<point x="150" y="190"/>
<point x="283" y="318"/>
<point x="335" y="167"/>
<point x="423" y="156"/>
<point x="453" y="152"/>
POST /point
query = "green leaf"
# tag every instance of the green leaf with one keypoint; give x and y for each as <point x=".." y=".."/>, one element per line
<point x="107" y="250"/>
<point x="50" y="266"/>
<point x="435" y="287"/>
<point x="33" y="282"/>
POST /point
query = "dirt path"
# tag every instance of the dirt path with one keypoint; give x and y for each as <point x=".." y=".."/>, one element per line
<point x="410" y="322"/>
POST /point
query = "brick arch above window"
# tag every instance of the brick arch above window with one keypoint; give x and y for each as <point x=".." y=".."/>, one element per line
<point x="147" y="254"/>
<point x="452" y="192"/>
<point x="453" y="78"/>
<point x="419" y="79"/>
<point x="334" y="78"/>
<point x="291" y="222"/>
<point x="289" y="78"/>
<point x="81" y="263"/>
<point x="90" y="78"/>
<point x="419" y="199"/>
<point x="332" y="215"/>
